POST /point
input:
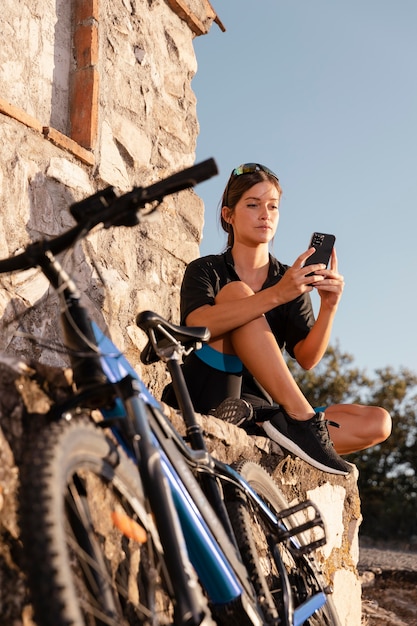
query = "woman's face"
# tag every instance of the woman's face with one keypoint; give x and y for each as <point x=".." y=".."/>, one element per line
<point x="255" y="216"/>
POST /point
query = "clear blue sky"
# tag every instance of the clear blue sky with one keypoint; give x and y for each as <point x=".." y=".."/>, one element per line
<point x="324" y="92"/>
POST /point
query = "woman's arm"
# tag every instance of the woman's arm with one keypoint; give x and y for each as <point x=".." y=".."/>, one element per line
<point x="227" y="316"/>
<point x="222" y="318"/>
<point x="309" y="351"/>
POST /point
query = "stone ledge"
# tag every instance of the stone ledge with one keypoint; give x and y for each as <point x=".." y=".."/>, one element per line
<point x="198" y="25"/>
<point x="66" y="143"/>
<point x="21" y="116"/>
<point x="51" y="134"/>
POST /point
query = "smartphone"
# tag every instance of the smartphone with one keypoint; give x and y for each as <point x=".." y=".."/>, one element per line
<point x="323" y="243"/>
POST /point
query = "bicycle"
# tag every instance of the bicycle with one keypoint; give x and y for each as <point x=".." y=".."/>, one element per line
<point x="177" y="543"/>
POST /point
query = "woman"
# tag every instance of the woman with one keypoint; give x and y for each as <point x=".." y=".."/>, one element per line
<point x="255" y="307"/>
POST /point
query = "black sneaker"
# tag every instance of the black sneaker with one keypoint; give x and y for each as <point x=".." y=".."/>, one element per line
<point x="234" y="410"/>
<point x="309" y="440"/>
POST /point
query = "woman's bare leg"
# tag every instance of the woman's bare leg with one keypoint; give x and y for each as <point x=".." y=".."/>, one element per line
<point x="306" y="434"/>
<point x="257" y="348"/>
<point x="360" y="426"/>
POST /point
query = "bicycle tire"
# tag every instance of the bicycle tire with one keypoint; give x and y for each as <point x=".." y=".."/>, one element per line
<point x="252" y="537"/>
<point x="81" y="568"/>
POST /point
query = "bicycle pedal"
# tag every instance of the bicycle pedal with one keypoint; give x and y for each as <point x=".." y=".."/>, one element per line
<point x="290" y="530"/>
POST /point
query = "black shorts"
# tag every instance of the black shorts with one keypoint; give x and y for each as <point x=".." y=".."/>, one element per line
<point x="207" y="386"/>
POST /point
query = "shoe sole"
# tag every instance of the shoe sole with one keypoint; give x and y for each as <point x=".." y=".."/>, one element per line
<point x="289" y="445"/>
<point x="233" y="412"/>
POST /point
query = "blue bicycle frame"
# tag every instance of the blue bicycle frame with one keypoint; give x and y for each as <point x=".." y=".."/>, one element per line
<point x="212" y="567"/>
<point x="209" y="560"/>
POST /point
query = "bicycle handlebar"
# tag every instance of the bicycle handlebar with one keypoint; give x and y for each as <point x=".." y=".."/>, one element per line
<point x="108" y="208"/>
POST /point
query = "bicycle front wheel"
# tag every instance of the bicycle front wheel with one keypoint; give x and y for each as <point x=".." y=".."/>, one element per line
<point x="255" y="538"/>
<point x="93" y="557"/>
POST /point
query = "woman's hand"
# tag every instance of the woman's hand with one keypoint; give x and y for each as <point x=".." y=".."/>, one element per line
<point x="310" y="351"/>
<point x="295" y="280"/>
<point x="331" y="286"/>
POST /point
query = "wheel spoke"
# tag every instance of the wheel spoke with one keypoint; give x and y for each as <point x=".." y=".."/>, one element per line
<point x="82" y="567"/>
<point x="280" y="575"/>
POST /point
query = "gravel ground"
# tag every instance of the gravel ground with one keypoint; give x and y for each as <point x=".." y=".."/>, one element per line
<point x="390" y="560"/>
<point x="389" y="587"/>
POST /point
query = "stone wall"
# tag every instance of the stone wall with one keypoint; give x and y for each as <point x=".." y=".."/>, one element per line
<point x="101" y="95"/>
<point x="147" y="129"/>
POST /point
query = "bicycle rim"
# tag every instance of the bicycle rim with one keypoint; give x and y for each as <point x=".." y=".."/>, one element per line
<point x="92" y="556"/>
<point x="254" y="539"/>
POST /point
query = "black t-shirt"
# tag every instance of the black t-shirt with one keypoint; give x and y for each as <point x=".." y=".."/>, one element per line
<point x="206" y="276"/>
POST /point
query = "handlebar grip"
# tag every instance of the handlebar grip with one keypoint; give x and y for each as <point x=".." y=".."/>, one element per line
<point x="179" y="181"/>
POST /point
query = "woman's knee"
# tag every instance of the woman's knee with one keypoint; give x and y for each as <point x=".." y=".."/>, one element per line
<point x="233" y="291"/>
<point x="382" y="423"/>
<point x="368" y="425"/>
<point x="377" y="424"/>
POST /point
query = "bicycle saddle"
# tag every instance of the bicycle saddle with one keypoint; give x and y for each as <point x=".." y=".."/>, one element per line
<point x="164" y="336"/>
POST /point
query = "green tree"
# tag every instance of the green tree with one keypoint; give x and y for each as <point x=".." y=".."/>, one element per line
<point x="387" y="472"/>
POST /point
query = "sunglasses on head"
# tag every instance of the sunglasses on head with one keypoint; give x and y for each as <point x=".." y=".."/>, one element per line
<point x="250" y="168"/>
